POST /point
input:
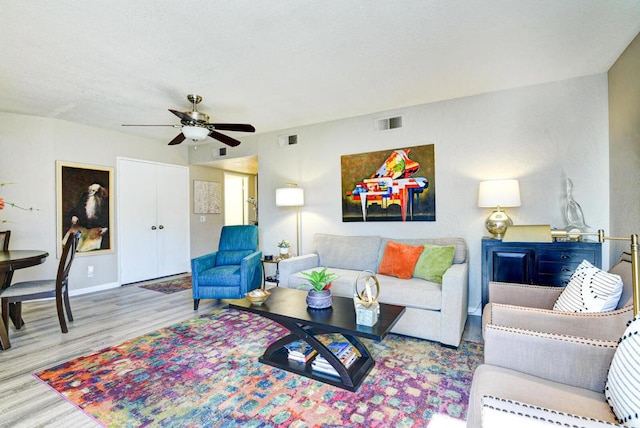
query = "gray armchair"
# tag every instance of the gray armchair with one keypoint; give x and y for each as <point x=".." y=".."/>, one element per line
<point x="530" y="307"/>
<point x="230" y="272"/>
<point x="530" y="378"/>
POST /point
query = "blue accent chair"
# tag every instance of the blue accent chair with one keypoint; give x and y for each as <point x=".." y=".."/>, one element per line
<point x="230" y="272"/>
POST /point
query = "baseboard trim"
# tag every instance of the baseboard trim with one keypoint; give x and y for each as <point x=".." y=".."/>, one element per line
<point x="95" y="288"/>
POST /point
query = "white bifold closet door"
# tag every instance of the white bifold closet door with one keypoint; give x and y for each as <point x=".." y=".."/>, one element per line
<point x="153" y="220"/>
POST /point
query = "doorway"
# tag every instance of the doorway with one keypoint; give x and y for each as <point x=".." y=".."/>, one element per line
<point x="236" y="194"/>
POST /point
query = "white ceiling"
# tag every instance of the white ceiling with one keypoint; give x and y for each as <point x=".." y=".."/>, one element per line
<point x="285" y="63"/>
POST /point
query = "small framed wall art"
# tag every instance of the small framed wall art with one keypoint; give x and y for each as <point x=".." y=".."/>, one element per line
<point x="207" y="197"/>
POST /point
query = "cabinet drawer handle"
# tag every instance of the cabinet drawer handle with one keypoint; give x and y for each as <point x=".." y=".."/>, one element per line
<point x="565" y="282"/>
<point x="565" y="256"/>
<point x="153" y="228"/>
<point x="564" y="269"/>
<point x="161" y="227"/>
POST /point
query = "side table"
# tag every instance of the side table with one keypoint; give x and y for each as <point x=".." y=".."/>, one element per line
<point x="275" y="278"/>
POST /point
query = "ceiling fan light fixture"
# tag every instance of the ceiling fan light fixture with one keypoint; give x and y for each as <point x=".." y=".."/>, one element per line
<point x="195" y="133"/>
<point x="195" y="126"/>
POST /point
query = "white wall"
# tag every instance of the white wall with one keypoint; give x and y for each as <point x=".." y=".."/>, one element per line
<point x="540" y="135"/>
<point x="29" y="148"/>
<point x="205" y="235"/>
<point x="624" y="111"/>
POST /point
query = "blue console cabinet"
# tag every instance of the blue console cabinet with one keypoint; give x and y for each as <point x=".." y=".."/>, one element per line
<point x="534" y="262"/>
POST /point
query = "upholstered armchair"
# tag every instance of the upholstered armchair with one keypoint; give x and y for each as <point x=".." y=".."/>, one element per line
<point x="230" y="272"/>
<point x="531" y="378"/>
<point x="530" y="307"/>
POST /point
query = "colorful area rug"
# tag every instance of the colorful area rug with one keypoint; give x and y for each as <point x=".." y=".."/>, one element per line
<point x="170" y="286"/>
<point x="205" y="372"/>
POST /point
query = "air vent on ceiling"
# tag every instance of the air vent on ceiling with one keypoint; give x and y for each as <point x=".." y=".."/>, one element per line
<point x="287" y="140"/>
<point x="222" y="151"/>
<point x="388" y="123"/>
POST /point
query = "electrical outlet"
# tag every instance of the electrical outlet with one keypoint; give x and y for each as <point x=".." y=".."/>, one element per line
<point x="203" y="219"/>
<point x="89" y="271"/>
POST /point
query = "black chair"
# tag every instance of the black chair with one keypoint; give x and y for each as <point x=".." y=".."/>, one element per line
<point x="31" y="290"/>
<point x="5" y="277"/>
<point x="4" y="240"/>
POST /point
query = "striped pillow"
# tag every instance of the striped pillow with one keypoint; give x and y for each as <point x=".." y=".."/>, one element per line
<point x="622" y="388"/>
<point x="590" y="290"/>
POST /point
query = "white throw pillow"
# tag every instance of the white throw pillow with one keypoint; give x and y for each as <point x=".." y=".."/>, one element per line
<point x="590" y="290"/>
<point x="623" y="389"/>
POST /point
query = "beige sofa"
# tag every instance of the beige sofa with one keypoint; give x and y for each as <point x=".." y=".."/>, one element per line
<point x="434" y="311"/>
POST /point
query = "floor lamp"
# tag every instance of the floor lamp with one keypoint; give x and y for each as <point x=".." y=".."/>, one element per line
<point x="635" y="257"/>
<point x="292" y="196"/>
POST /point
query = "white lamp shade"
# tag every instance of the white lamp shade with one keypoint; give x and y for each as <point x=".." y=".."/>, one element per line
<point x="195" y="133"/>
<point x="290" y="197"/>
<point x="499" y="193"/>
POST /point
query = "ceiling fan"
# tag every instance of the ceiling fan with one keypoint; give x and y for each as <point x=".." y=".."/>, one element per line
<point x="195" y="126"/>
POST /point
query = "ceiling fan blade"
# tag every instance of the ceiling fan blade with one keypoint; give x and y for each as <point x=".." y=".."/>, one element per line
<point x="240" y="127"/>
<point x="224" y="138"/>
<point x="181" y="115"/>
<point x="179" y="139"/>
<point x="153" y="125"/>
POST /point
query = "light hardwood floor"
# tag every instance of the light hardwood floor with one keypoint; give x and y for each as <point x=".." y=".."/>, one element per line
<point x="101" y="319"/>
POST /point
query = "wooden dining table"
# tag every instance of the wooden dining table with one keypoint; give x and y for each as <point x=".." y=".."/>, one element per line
<point x="10" y="261"/>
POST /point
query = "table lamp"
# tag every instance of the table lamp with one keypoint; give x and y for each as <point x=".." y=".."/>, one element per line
<point x="497" y="194"/>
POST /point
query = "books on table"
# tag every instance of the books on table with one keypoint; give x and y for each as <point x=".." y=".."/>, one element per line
<point x="342" y="349"/>
<point x="320" y="364"/>
<point x="301" y="352"/>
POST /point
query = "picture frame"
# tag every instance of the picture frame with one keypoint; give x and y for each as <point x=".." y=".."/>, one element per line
<point x="389" y="185"/>
<point x="85" y="203"/>
<point x="207" y="197"/>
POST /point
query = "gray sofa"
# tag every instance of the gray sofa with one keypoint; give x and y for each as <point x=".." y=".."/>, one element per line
<point x="434" y="311"/>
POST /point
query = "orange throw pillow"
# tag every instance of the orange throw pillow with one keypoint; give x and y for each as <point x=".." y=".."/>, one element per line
<point x="399" y="259"/>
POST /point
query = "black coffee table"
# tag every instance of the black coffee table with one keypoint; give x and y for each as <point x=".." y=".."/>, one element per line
<point x="288" y="308"/>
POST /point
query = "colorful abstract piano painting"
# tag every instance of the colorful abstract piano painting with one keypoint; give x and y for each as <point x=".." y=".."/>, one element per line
<point x="389" y="185"/>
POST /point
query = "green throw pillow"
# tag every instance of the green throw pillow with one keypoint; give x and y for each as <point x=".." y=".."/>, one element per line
<point x="434" y="262"/>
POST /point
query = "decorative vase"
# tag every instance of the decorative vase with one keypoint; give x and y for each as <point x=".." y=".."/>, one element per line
<point x="319" y="299"/>
<point x="284" y="250"/>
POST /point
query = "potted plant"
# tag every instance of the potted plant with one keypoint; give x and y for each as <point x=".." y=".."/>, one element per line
<point x="284" y="248"/>
<point x="319" y="297"/>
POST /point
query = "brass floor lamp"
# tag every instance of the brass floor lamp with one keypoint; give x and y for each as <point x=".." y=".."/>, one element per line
<point x="635" y="257"/>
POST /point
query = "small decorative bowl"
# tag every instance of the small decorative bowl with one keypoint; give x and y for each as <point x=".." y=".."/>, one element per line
<point x="258" y="296"/>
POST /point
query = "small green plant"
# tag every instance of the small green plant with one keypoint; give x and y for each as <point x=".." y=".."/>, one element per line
<point x="284" y="244"/>
<point x="320" y="280"/>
